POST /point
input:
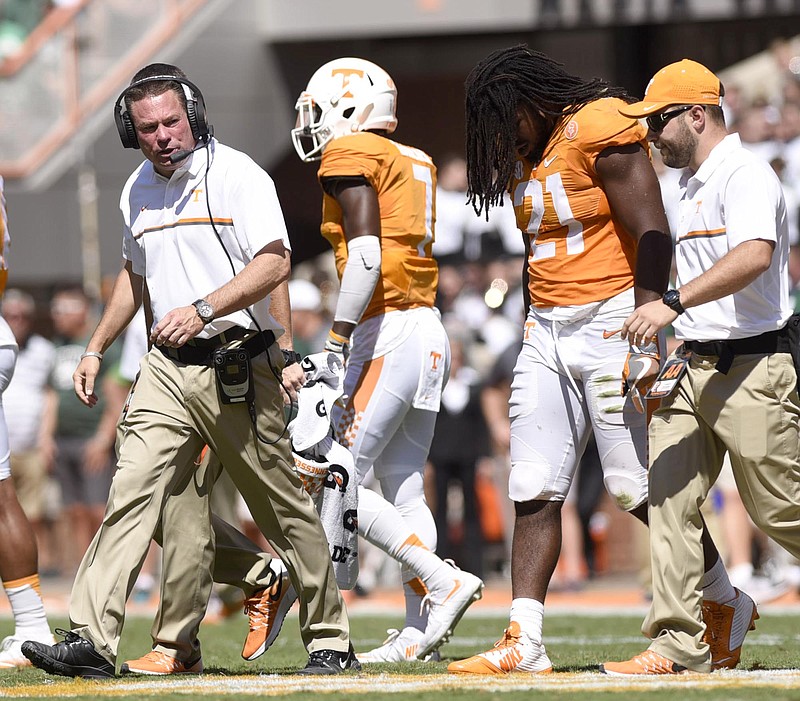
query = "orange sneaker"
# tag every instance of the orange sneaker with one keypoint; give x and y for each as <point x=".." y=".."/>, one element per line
<point x="726" y="627"/>
<point x="157" y="663"/>
<point x="267" y="609"/>
<point x="514" y="652"/>
<point x="647" y="662"/>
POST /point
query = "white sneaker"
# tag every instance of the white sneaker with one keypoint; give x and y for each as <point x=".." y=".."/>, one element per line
<point x="400" y="646"/>
<point x="514" y="652"/>
<point x="446" y="605"/>
<point x="11" y="652"/>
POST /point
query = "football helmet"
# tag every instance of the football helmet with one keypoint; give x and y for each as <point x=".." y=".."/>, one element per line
<point x="344" y="96"/>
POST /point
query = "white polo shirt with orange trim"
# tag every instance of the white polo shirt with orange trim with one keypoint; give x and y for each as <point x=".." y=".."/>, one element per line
<point x="170" y="240"/>
<point x="733" y="197"/>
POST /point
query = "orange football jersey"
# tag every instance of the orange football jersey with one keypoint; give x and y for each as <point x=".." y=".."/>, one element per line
<point x="578" y="253"/>
<point x="405" y="180"/>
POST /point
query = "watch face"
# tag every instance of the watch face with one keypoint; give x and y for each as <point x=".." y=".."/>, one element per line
<point x="204" y="310"/>
<point x="672" y="299"/>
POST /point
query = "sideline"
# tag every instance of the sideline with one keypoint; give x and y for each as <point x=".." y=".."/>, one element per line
<point x="274" y="685"/>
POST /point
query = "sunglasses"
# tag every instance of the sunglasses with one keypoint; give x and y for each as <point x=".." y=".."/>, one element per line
<point x="657" y="122"/>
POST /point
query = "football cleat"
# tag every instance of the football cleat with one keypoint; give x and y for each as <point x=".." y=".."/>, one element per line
<point x="330" y="662"/>
<point x="400" y="646"/>
<point x="156" y="663"/>
<point x="514" y="652"/>
<point x="647" y="662"/>
<point x="72" y="657"/>
<point x="726" y="626"/>
<point x="446" y="605"/>
<point x="267" y="609"/>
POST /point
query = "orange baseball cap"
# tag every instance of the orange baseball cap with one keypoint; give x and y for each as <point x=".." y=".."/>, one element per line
<point x="683" y="83"/>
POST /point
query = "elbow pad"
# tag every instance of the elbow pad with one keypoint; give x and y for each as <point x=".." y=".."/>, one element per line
<point x="361" y="274"/>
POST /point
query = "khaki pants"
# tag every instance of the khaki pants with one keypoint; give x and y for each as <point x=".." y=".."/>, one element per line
<point x="753" y="413"/>
<point x="174" y="411"/>
<point x="238" y="562"/>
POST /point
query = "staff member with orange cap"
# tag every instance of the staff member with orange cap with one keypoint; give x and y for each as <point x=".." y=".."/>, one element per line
<point x="732" y="386"/>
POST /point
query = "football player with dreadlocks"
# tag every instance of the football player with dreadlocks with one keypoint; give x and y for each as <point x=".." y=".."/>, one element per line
<point x="588" y="202"/>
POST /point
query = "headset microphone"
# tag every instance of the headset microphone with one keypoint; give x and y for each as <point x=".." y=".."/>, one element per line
<point x="180" y="155"/>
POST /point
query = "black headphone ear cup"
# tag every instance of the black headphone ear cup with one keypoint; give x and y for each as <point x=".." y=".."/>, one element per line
<point x="130" y="140"/>
<point x="191" y="114"/>
<point x="125" y="128"/>
<point x="196" y="113"/>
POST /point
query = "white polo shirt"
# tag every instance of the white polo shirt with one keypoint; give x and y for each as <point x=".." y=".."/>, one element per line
<point x="733" y="197"/>
<point x="170" y="240"/>
<point x="24" y="398"/>
<point x="7" y="339"/>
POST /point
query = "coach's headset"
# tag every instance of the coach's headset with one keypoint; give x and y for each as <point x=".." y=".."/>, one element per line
<point x="195" y="111"/>
<point x="202" y="132"/>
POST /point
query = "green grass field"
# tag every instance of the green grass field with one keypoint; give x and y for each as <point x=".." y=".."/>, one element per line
<point x="576" y="644"/>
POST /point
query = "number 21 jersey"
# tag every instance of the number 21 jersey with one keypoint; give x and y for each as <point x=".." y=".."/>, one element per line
<point x="578" y="252"/>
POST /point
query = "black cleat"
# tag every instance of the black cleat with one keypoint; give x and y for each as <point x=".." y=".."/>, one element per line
<point x="73" y="657"/>
<point x="331" y="662"/>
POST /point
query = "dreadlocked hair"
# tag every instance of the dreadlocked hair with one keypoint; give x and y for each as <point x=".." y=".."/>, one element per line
<point x="498" y="85"/>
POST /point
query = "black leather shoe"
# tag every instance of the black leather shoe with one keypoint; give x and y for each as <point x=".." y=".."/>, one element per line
<point x="73" y="657"/>
<point x="331" y="662"/>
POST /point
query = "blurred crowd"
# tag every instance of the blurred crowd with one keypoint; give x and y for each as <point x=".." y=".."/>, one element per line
<point x="18" y="18"/>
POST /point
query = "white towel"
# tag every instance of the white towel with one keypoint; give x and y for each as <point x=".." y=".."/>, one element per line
<point x="329" y="476"/>
<point x="324" y="387"/>
<point x="327" y="468"/>
<point x="338" y="512"/>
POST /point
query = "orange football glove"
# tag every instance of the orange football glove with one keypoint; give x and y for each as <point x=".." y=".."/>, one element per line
<point x="641" y="369"/>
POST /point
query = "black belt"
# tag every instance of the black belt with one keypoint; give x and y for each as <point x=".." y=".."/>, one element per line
<point x="765" y="343"/>
<point x="199" y="351"/>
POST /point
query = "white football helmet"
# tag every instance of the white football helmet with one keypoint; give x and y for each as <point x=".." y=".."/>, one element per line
<point x="343" y="96"/>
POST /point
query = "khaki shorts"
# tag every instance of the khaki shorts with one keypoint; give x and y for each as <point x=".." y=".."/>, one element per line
<point x="29" y="473"/>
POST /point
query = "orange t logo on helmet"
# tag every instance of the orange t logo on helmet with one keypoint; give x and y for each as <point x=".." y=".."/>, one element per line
<point x="346" y="74"/>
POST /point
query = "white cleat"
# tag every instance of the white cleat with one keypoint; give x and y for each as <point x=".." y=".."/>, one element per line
<point x="11" y="655"/>
<point x="446" y="605"/>
<point x="400" y="646"/>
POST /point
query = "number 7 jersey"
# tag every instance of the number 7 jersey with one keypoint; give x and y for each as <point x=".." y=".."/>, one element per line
<point x="404" y="179"/>
<point x="578" y="252"/>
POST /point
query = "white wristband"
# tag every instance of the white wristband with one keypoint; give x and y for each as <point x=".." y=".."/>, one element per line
<point x="92" y="354"/>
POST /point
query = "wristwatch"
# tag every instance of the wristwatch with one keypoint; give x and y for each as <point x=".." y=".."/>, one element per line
<point x="672" y="298"/>
<point x="204" y="310"/>
<point x="291" y="357"/>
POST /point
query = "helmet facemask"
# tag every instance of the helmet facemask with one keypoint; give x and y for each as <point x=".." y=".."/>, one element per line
<point x="310" y="134"/>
